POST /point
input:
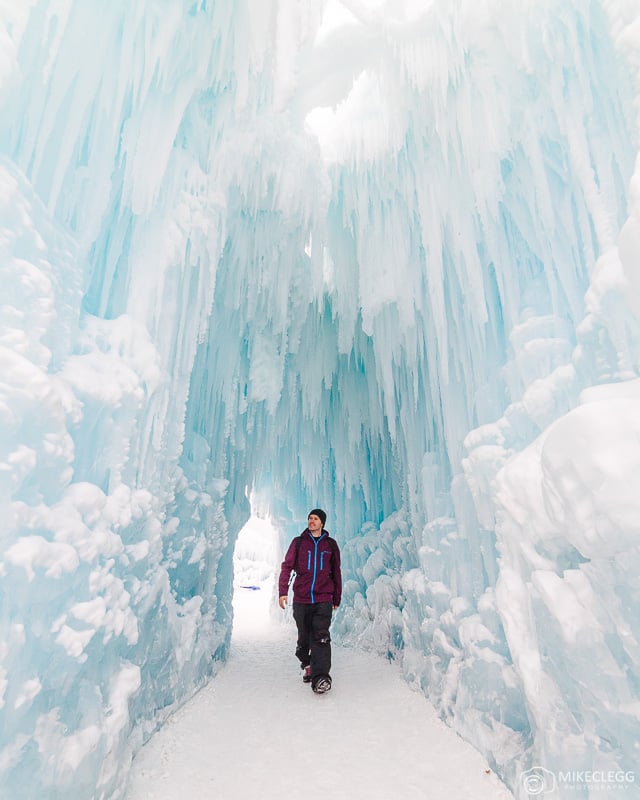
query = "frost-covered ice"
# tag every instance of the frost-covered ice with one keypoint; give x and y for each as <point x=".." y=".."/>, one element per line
<point x="380" y="257"/>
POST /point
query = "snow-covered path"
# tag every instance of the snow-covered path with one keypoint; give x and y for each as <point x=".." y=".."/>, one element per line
<point x="257" y="731"/>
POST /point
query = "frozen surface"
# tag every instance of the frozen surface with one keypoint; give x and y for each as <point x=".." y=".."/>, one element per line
<point x="375" y="256"/>
<point x="258" y="730"/>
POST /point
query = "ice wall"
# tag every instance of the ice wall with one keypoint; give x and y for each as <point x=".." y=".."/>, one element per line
<point x="514" y="174"/>
<point x="116" y="566"/>
<point x="519" y="264"/>
<point x="375" y="256"/>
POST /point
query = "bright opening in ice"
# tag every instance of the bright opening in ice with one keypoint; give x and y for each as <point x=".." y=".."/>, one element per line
<point x="255" y="562"/>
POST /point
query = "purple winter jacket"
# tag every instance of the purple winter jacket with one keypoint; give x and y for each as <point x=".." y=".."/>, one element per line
<point x="317" y="568"/>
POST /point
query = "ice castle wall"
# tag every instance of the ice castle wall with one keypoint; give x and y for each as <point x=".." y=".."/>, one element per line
<point x="408" y="308"/>
<point x="112" y="224"/>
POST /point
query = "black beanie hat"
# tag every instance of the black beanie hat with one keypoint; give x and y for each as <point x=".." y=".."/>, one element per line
<point x="319" y="513"/>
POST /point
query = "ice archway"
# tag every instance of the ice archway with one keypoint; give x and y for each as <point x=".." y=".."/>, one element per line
<point x="378" y="256"/>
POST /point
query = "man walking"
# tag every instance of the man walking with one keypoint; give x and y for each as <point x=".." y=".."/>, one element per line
<point x="315" y="558"/>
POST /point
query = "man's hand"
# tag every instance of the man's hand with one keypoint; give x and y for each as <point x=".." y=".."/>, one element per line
<point x="282" y="602"/>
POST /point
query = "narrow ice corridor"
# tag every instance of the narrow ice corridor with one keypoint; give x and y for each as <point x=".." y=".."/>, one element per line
<point x="258" y="731"/>
<point x="377" y="256"/>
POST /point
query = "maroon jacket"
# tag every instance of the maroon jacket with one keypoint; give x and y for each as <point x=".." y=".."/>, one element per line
<point x="317" y="568"/>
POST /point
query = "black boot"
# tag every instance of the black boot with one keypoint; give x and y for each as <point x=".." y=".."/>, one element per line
<point x="321" y="684"/>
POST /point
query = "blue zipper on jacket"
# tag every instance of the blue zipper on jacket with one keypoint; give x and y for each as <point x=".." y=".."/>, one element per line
<point x="316" y="542"/>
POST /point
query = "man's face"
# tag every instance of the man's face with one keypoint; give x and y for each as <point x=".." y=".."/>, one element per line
<point x="314" y="523"/>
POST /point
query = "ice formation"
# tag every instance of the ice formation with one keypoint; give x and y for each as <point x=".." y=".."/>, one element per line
<point x="378" y="256"/>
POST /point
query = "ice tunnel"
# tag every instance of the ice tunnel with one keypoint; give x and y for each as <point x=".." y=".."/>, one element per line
<point x="382" y="257"/>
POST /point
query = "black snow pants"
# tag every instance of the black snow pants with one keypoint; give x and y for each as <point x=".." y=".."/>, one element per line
<point x="314" y="642"/>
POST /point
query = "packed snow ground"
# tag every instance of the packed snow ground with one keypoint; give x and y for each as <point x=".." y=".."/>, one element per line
<point x="257" y="731"/>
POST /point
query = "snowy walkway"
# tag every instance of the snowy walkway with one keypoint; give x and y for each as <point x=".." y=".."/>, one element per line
<point x="256" y="731"/>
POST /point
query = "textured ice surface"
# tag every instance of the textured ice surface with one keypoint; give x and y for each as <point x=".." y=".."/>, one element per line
<point x="379" y="257"/>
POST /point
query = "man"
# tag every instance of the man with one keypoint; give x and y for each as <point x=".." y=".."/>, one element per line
<point x="317" y="590"/>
